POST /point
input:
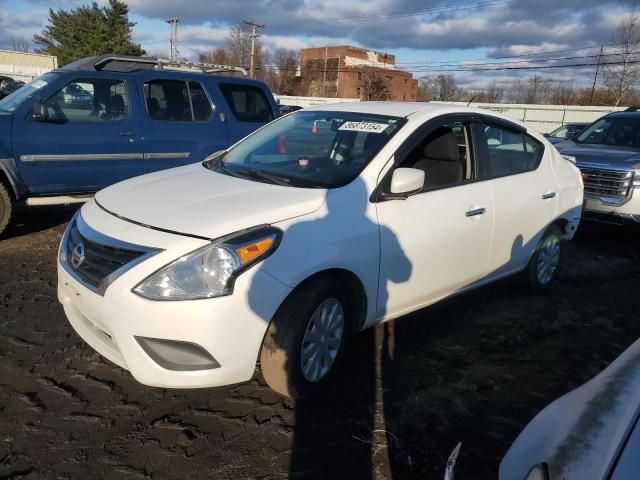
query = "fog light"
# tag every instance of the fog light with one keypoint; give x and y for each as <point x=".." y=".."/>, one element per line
<point x="176" y="355"/>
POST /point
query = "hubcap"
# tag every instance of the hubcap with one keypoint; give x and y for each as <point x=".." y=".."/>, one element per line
<point x="322" y="339"/>
<point x="548" y="259"/>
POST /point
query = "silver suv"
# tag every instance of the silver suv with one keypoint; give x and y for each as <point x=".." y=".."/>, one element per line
<point x="608" y="155"/>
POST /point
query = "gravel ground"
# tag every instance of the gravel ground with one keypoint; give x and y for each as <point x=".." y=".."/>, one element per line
<point x="474" y="369"/>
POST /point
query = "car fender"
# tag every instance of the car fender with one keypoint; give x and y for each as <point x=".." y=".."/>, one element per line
<point x="9" y="168"/>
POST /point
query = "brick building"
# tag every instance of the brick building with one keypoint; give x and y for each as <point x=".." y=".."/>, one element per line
<point x="344" y="71"/>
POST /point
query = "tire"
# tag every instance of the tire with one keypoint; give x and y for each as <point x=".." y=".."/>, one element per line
<point x="6" y="207"/>
<point x="284" y="367"/>
<point x="537" y="276"/>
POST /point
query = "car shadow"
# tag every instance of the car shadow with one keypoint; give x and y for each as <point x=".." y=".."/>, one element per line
<point x="28" y="220"/>
<point x="473" y="368"/>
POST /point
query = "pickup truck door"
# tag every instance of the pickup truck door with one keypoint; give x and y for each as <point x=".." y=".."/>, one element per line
<point x="90" y="140"/>
<point x="435" y="242"/>
<point x="523" y="187"/>
<point x="183" y="121"/>
<point x="250" y="108"/>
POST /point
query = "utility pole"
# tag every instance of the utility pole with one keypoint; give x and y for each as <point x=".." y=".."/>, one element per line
<point x="254" y="35"/>
<point x="173" y="38"/>
<point x="595" y="77"/>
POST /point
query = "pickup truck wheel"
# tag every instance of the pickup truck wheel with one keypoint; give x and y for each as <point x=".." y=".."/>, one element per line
<point x="544" y="262"/>
<point x="6" y="207"/>
<point x="305" y="340"/>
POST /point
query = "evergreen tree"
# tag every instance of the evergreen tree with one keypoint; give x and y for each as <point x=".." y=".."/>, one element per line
<point x="88" y="30"/>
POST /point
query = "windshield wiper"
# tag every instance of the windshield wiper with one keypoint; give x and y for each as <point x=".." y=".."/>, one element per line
<point x="253" y="172"/>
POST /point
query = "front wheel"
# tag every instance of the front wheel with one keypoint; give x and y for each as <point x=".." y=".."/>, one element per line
<point x="544" y="262"/>
<point x="305" y="340"/>
<point x="6" y="207"/>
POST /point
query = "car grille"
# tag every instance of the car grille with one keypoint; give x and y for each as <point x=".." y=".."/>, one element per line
<point x="614" y="184"/>
<point x="94" y="261"/>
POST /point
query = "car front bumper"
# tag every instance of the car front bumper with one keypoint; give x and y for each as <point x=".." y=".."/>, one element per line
<point x="628" y="211"/>
<point x="229" y="329"/>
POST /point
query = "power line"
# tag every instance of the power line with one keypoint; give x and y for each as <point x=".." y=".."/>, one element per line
<point x="452" y="7"/>
<point x="551" y="59"/>
<point x="524" y="55"/>
<point x="494" y="69"/>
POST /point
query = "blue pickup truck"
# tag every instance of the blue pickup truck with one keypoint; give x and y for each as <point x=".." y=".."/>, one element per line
<point x="100" y="120"/>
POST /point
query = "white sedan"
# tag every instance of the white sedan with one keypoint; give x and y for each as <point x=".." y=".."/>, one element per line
<point x="321" y="224"/>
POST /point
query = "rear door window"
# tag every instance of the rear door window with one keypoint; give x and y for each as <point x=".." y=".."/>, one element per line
<point x="509" y="152"/>
<point x="248" y="103"/>
<point x="177" y="101"/>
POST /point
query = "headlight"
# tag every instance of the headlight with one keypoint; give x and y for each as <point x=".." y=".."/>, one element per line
<point x="210" y="271"/>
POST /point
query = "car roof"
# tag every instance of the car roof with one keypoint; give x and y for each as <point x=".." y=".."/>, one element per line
<point x="421" y="110"/>
<point x="142" y="65"/>
<point x="625" y="114"/>
<point x="394" y="109"/>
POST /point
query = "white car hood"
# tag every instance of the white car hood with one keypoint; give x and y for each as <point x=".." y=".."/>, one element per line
<point x="193" y="200"/>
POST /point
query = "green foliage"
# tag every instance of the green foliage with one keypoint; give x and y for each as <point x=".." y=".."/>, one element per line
<point x="86" y="31"/>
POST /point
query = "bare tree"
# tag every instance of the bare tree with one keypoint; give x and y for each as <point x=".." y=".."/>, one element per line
<point x="374" y="86"/>
<point x="218" y="56"/>
<point x="620" y="78"/>
<point x="286" y="62"/>
<point x="562" y="93"/>
<point x="442" y="88"/>
<point x="239" y="45"/>
<point x="494" y="93"/>
<point x="20" y="44"/>
<point x="446" y="88"/>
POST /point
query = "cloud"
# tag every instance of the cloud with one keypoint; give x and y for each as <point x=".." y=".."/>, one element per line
<point x="510" y="27"/>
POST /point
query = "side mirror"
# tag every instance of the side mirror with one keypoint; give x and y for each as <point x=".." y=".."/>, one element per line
<point x="39" y="112"/>
<point x="407" y="180"/>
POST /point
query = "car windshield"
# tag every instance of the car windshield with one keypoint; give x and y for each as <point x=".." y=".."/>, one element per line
<point x="615" y="131"/>
<point x="17" y="98"/>
<point x="311" y="149"/>
<point x="560" y="132"/>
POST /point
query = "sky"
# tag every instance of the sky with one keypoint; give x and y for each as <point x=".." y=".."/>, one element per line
<point x="427" y="37"/>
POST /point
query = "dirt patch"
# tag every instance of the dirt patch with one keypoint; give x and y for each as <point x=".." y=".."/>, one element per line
<point x="474" y="369"/>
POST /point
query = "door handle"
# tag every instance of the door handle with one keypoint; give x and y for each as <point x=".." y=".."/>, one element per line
<point x="548" y="195"/>
<point x="126" y="134"/>
<point x="476" y="211"/>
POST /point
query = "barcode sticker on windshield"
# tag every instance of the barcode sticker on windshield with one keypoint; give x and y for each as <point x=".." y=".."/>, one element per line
<point x="364" y="127"/>
<point x="38" y="84"/>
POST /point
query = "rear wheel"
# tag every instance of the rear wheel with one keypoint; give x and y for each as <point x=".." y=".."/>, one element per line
<point x="544" y="263"/>
<point x="6" y="207"/>
<point x="305" y="339"/>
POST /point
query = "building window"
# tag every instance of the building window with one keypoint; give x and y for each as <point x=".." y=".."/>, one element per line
<point x="405" y="80"/>
<point x="404" y="96"/>
<point x="359" y="75"/>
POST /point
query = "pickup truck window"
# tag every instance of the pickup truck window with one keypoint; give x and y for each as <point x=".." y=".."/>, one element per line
<point x="89" y="100"/>
<point x="248" y="103"/>
<point x="509" y="152"/>
<point x="176" y="101"/>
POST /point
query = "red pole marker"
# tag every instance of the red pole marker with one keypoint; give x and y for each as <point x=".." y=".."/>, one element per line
<point x="282" y="146"/>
